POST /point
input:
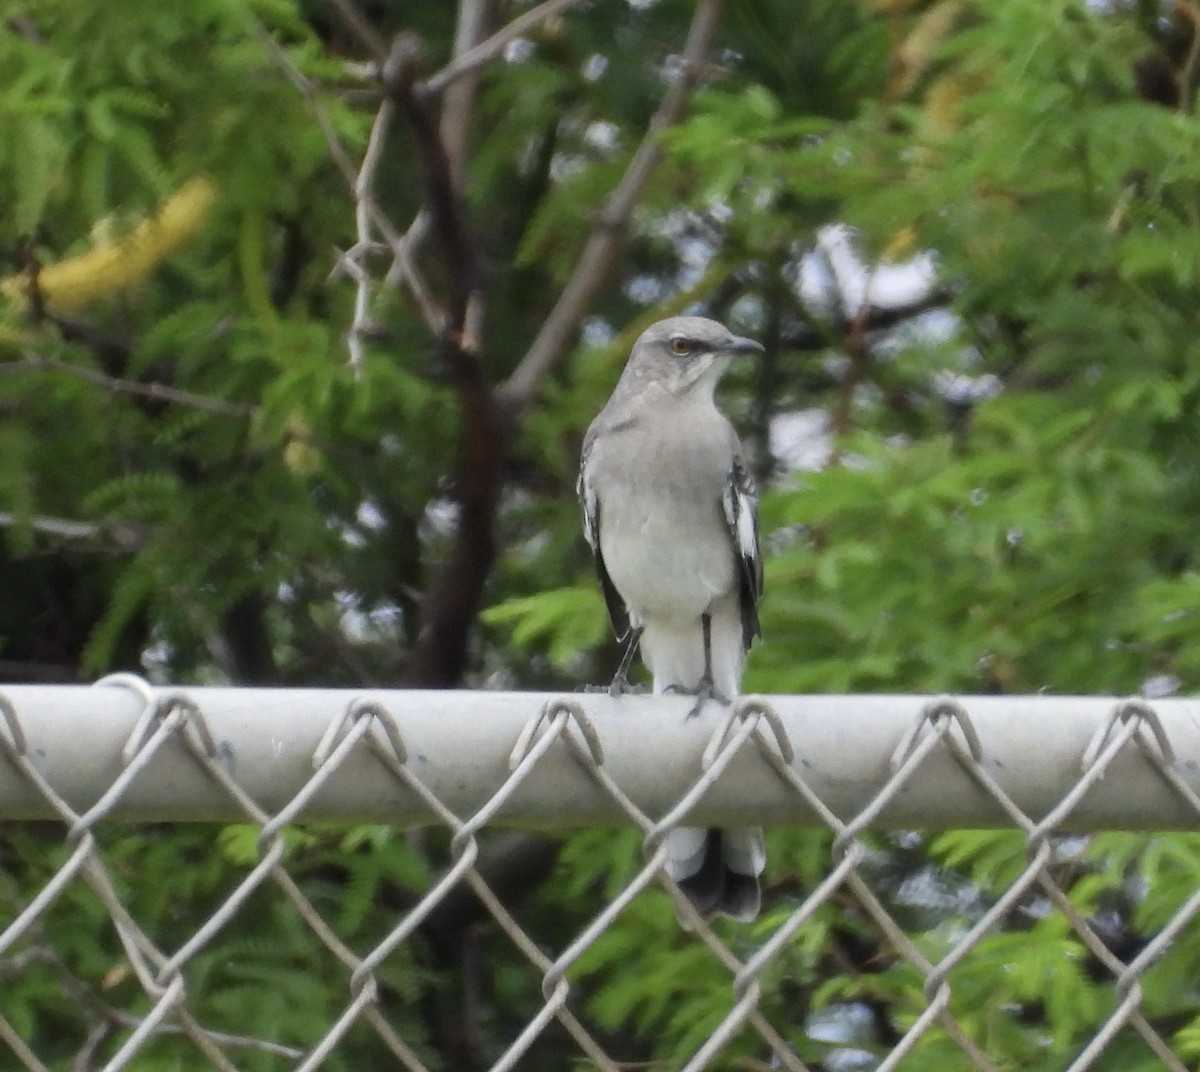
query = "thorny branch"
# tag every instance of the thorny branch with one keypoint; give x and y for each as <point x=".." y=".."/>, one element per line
<point x="451" y="602"/>
<point x="337" y="151"/>
<point x="351" y="261"/>
<point x="552" y="341"/>
<point x="368" y="218"/>
<point x="443" y="199"/>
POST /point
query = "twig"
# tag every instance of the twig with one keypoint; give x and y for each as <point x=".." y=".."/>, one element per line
<point x="807" y="338"/>
<point x="85" y="998"/>
<point x="1187" y="74"/>
<point x="767" y="374"/>
<point x="307" y="90"/>
<point x="459" y="100"/>
<point x="352" y="260"/>
<point x="473" y="16"/>
<point x="404" y="266"/>
<point x="550" y="345"/>
<point x="452" y="600"/>
<point x="855" y="344"/>
<point x="486" y="50"/>
<point x="53" y="526"/>
<point x="357" y="23"/>
<point x="401" y="246"/>
<point x="447" y="212"/>
<point x="158" y="391"/>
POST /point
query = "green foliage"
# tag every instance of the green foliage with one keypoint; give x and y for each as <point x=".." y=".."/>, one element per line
<point x="569" y="619"/>
<point x="279" y="518"/>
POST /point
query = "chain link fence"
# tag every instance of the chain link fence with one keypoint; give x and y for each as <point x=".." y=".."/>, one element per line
<point x="84" y="761"/>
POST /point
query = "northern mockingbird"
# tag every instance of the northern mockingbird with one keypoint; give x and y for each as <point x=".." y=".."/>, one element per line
<point x="671" y="514"/>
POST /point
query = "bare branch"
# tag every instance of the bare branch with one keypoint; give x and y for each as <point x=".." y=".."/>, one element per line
<point x="122" y="538"/>
<point x="52" y="526"/>
<point x="452" y="600"/>
<point x="474" y="17"/>
<point x="308" y="91"/>
<point x="486" y="50"/>
<point x="158" y="391"/>
<point x="367" y="214"/>
<point x="447" y="213"/>
<point x="404" y="266"/>
<point x="364" y="201"/>
<point x="823" y="335"/>
<point x="1186" y="78"/>
<point x="356" y="22"/>
<point x="550" y="346"/>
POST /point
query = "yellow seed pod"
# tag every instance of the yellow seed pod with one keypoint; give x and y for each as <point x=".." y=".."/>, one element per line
<point x="114" y="265"/>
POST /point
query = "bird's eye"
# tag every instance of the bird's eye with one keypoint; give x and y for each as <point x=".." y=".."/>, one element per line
<point x="680" y="346"/>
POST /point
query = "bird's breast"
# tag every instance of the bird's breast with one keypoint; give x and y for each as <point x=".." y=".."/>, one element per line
<point x="669" y="556"/>
<point x="663" y="533"/>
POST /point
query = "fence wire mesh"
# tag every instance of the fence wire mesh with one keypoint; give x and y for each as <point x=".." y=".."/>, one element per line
<point x="114" y="1017"/>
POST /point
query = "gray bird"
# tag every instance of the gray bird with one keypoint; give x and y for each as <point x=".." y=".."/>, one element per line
<point x="671" y="514"/>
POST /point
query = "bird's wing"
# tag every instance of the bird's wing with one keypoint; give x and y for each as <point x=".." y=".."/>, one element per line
<point x="590" y="502"/>
<point x="740" y="503"/>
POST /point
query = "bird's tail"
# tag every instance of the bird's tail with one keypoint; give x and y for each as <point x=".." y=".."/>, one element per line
<point x="718" y="869"/>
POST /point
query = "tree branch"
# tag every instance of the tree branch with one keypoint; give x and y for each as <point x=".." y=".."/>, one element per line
<point x="337" y="151"/>
<point x="367" y="215"/>
<point x="550" y="346"/>
<point x="358" y="24"/>
<point x="451" y="602"/>
<point x="245" y="641"/>
<point x="443" y="200"/>
<point x="474" y="17"/>
<point x="117" y="538"/>
<point x="351" y="262"/>
<point x="479" y="54"/>
<point x="158" y="391"/>
<point x="809" y="338"/>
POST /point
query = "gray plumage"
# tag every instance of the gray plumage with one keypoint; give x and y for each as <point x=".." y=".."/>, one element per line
<point x="671" y="514"/>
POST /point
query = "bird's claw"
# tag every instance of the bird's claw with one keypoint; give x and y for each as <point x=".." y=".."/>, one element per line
<point x="620" y="686"/>
<point x="704" y="691"/>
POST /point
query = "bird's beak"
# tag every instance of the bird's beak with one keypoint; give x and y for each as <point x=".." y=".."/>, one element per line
<point x="740" y="345"/>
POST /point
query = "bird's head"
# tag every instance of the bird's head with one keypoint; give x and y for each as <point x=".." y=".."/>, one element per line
<point x="686" y="354"/>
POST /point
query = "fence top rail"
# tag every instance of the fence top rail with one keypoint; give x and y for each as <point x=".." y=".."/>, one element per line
<point x="172" y="746"/>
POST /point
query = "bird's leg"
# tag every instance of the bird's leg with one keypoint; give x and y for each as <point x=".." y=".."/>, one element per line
<point x="620" y="682"/>
<point x="705" y="688"/>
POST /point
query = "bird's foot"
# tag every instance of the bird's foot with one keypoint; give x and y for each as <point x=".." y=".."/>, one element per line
<point x="705" y="690"/>
<point x="620" y="686"/>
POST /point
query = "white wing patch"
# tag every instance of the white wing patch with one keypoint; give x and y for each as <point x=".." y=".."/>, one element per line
<point x="741" y="514"/>
<point x="591" y="513"/>
<point x="740" y="511"/>
<point x="740" y="504"/>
